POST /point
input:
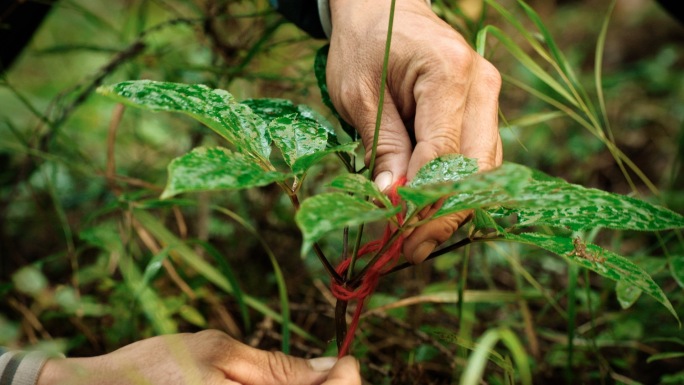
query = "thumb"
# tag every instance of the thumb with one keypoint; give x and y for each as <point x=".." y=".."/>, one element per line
<point x="394" y="145"/>
<point x="277" y="368"/>
<point x="345" y="372"/>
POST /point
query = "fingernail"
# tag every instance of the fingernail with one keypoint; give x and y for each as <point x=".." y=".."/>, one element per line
<point x="383" y="180"/>
<point x="322" y="364"/>
<point x="423" y="250"/>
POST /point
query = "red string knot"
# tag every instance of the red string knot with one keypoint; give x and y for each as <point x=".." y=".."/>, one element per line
<point x="369" y="281"/>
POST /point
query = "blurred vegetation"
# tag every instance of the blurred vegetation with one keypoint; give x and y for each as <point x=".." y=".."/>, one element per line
<point x="80" y="274"/>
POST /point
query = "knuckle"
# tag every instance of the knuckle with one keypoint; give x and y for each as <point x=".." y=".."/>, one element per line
<point x="441" y="140"/>
<point x="214" y="336"/>
<point x="215" y="344"/>
<point x="454" y="59"/>
<point x="387" y="145"/>
<point x="355" y="101"/>
<point x="280" y="366"/>
<point x="490" y="76"/>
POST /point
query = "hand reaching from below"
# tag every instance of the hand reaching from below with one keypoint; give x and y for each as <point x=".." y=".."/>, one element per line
<point x="208" y="358"/>
<point x="439" y="90"/>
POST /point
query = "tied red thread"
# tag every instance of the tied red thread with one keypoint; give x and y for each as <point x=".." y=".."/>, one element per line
<point x="370" y="279"/>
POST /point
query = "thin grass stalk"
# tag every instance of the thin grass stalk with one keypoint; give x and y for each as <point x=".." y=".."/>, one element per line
<point x="524" y="59"/>
<point x="616" y="152"/>
<point x="579" y="98"/>
<point x="66" y="228"/>
<point x="459" y="305"/>
<point x="598" y="68"/>
<point x="525" y="312"/>
<point x="280" y="278"/>
<point x="378" y="121"/>
<point x="515" y="263"/>
<point x="534" y="43"/>
<point x="485" y="345"/>
<point x="383" y="85"/>
<point x="228" y="272"/>
<point x="560" y="63"/>
<point x="592" y="321"/>
<point x="584" y="105"/>
<point x="573" y="273"/>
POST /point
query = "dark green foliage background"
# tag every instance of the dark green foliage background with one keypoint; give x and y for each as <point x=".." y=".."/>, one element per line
<point x="81" y="273"/>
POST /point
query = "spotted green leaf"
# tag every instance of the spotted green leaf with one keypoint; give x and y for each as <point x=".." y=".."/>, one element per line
<point x="216" y="168"/>
<point x="541" y="200"/>
<point x="297" y="137"/>
<point x="448" y="168"/>
<point x="215" y="108"/>
<point x="599" y="260"/>
<point x="305" y="162"/>
<point x="471" y="190"/>
<point x="323" y="213"/>
<point x="309" y="113"/>
<point x="269" y="109"/>
<point x="561" y="204"/>
<point x="484" y="221"/>
<point x="359" y="184"/>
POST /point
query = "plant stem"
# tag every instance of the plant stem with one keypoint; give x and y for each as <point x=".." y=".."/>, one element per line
<point x="327" y="265"/>
<point x="341" y="306"/>
<point x="340" y="322"/>
<point x="435" y="254"/>
<point x="355" y="251"/>
<point x="381" y="95"/>
<point x="317" y="249"/>
<point x="345" y="242"/>
<point x="357" y="279"/>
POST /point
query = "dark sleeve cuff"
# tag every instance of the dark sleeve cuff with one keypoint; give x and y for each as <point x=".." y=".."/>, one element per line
<point x="303" y="13"/>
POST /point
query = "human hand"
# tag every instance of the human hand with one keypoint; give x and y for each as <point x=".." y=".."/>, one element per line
<point x="439" y="90"/>
<point x="209" y="358"/>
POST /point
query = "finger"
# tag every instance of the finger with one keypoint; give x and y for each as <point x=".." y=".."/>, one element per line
<point x="394" y="145"/>
<point x="345" y="372"/>
<point x="440" y="92"/>
<point x="499" y="152"/>
<point x="424" y="239"/>
<point x="480" y="137"/>
<point x="258" y="367"/>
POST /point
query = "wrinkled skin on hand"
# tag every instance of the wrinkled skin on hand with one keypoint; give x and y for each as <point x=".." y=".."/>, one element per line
<point x="439" y="90"/>
<point x="208" y="358"/>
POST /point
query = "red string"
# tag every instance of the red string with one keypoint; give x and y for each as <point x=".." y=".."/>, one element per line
<point x="370" y="279"/>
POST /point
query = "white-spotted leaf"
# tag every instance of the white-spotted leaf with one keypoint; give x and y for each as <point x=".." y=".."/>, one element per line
<point x="447" y="168"/>
<point x="215" y="108"/>
<point x="269" y="109"/>
<point x="323" y="213"/>
<point x="305" y="162"/>
<point x="217" y="168"/>
<point x="297" y="137"/>
<point x="599" y="260"/>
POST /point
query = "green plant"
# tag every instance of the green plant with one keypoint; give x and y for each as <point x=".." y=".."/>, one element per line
<point x="120" y="264"/>
<point x="513" y="203"/>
